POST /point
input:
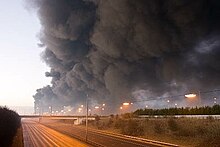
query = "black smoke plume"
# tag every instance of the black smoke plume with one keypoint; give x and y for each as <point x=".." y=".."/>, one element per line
<point x="117" y="50"/>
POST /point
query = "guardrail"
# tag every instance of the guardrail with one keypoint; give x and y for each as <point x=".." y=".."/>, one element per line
<point x="54" y="116"/>
<point x="180" y="116"/>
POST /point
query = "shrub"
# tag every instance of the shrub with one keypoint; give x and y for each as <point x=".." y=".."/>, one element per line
<point x="110" y="122"/>
<point x="212" y="136"/>
<point x="101" y="126"/>
<point x="119" y="123"/>
<point x="9" y="123"/>
<point x="132" y="128"/>
<point x="158" y="128"/>
<point x="172" y="124"/>
<point x="201" y="130"/>
<point x="97" y="118"/>
<point x="210" y="118"/>
<point x="213" y="131"/>
<point x="112" y="116"/>
<point x="184" y="128"/>
<point x="127" y="115"/>
<point x="186" y="131"/>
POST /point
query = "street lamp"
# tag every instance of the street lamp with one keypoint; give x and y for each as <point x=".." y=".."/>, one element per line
<point x="79" y="109"/>
<point x="168" y="103"/>
<point x="96" y="107"/>
<point x="215" y="102"/>
<point x="87" y="112"/>
<point x="126" y="104"/>
<point x="191" y="95"/>
<point x="50" y="109"/>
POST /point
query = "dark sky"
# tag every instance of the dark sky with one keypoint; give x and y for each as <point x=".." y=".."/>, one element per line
<point x="117" y="50"/>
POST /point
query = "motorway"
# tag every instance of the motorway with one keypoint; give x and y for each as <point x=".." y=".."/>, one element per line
<point x="50" y="133"/>
<point x="101" y="139"/>
<point x="38" y="135"/>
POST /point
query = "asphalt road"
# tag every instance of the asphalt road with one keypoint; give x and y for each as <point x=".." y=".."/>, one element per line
<point x="37" y="135"/>
<point x="96" y="138"/>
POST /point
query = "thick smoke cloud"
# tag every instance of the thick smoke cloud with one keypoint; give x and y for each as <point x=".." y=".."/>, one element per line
<point x="111" y="49"/>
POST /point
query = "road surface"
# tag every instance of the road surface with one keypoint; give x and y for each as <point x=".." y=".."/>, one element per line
<point x="98" y="138"/>
<point x="37" y="135"/>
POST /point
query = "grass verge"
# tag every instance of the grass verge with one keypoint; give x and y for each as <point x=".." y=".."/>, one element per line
<point x="181" y="131"/>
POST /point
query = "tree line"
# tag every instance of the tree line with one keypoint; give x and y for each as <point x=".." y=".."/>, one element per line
<point x="206" y="110"/>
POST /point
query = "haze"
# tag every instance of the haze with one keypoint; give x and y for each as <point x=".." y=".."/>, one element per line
<point x="22" y="70"/>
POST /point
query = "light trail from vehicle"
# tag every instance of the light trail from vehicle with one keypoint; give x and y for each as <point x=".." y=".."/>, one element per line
<point x="36" y="135"/>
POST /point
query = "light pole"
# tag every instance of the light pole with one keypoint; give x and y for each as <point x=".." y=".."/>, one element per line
<point x="37" y="110"/>
<point x="168" y="103"/>
<point x="50" y="109"/>
<point x="87" y="111"/>
<point x="192" y="96"/>
<point x="175" y="105"/>
<point x="199" y="97"/>
<point x="215" y="100"/>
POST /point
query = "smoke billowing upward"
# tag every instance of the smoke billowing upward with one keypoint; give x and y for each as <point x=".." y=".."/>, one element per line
<point x="113" y="49"/>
